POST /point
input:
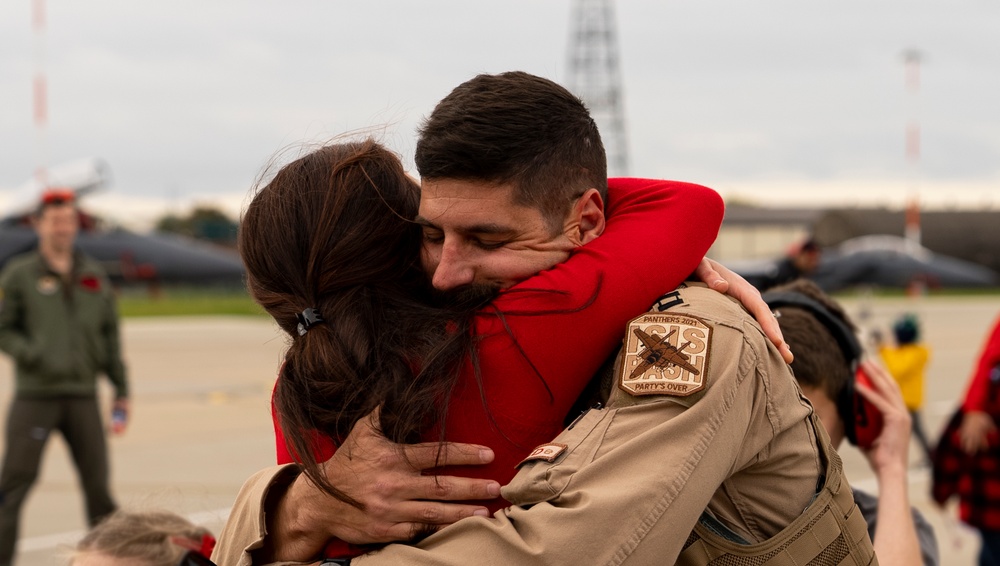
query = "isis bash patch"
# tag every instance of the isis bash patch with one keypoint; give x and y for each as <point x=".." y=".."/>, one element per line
<point x="548" y="452"/>
<point x="665" y="354"/>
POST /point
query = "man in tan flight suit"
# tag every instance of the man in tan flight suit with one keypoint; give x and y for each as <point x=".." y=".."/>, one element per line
<point x="706" y="450"/>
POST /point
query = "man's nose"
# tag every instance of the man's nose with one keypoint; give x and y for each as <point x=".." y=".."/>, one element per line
<point x="453" y="268"/>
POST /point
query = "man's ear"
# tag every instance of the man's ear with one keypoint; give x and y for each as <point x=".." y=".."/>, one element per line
<point x="586" y="219"/>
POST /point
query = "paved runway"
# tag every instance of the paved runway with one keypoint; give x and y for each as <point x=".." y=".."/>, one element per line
<point x="201" y="422"/>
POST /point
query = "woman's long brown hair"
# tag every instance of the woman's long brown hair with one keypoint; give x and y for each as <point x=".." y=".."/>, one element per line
<point x="332" y="231"/>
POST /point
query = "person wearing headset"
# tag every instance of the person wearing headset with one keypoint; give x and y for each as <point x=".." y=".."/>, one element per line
<point x="860" y="401"/>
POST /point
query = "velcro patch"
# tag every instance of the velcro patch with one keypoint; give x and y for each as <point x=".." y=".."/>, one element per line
<point x="47" y="285"/>
<point x="665" y="354"/>
<point x="548" y="452"/>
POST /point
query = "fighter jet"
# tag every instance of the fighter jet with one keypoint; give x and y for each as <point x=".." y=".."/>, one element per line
<point x="128" y="257"/>
<point x="877" y="260"/>
<point x="659" y="353"/>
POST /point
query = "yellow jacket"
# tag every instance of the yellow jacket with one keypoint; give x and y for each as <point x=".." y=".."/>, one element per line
<point x="906" y="364"/>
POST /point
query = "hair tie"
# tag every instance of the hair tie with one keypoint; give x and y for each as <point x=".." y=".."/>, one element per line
<point x="307" y="319"/>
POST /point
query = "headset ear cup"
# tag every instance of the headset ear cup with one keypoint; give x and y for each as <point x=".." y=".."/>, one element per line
<point x="847" y="407"/>
<point x="848" y="402"/>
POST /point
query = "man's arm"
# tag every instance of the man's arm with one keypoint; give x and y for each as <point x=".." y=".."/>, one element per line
<point x="977" y="423"/>
<point x="115" y="369"/>
<point x="398" y="501"/>
<point x="896" y="539"/>
<point x="13" y="339"/>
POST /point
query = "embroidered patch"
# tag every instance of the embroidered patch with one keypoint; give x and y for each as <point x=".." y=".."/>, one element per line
<point x="548" y="452"/>
<point x="47" y="285"/>
<point x="90" y="283"/>
<point x="665" y="354"/>
<point x="671" y="299"/>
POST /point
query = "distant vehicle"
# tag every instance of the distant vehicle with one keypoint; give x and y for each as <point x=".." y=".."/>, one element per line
<point x="880" y="261"/>
<point x="128" y="257"/>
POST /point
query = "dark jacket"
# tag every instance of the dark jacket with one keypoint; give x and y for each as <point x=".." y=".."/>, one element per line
<point x="61" y="333"/>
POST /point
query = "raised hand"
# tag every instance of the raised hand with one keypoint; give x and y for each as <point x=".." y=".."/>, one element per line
<point x="723" y="280"/>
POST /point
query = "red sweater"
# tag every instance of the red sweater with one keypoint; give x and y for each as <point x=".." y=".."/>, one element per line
<point x="656" y="234"/>
<point x="976" y="398"/>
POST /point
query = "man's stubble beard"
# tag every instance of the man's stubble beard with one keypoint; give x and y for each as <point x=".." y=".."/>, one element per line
<point x="472" y="296"/>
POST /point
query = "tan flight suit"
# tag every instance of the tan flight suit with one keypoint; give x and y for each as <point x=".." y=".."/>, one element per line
<point x="724" y="427"/>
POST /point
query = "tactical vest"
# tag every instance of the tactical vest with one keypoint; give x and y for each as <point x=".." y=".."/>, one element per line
<point x="831" y="531"/>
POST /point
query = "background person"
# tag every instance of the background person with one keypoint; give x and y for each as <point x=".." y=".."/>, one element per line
<point x="906" y="360"/>
<point x="801" y="261"/>
<point x="59" y="325"/>
<point x="826" y="356"/>
<point x="967" y="458"/>
<point x="144" y="538"/>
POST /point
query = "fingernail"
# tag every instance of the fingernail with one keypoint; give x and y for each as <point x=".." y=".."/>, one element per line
<point x="481" y="513"/>
<point x="486" y="455"/>
<point x="719" y="282"/>
<point x="493" y="489"/>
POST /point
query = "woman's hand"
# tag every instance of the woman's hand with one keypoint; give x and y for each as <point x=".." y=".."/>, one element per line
<point x="723" y="280"/>
<point x="974" y="432"/>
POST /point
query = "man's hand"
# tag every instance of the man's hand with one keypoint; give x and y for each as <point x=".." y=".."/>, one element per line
<point x="974" y="432"/>
<point x="385" y="478"/>
<point x="895" y="539"/>
<point x="721" y="279"/>
<point x="889" y="452"/>
<point x="119" y="415"/>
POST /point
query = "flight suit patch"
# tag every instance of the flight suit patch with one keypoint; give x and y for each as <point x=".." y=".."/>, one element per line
<point x="90" y="283"/>
<point x="548" y="452"/>
<point x="47" y="285"/>
<point x="665" y="354"/>
<point x="671" y="299"/>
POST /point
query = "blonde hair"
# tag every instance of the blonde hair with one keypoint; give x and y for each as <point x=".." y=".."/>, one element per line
<point x="158" y="538"/>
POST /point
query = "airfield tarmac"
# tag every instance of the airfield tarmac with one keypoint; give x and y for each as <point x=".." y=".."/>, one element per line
<point x="201" y="424"/>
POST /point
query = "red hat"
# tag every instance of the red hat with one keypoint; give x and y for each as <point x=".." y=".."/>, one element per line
<point x="58" y="196"/>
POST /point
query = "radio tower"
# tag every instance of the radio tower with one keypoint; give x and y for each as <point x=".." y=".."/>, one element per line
<point x="594" y="76"/>
<point x="40" y="95"/>
<point x="911" y="62"/>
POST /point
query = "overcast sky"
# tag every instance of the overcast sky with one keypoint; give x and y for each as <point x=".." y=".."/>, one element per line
<point x="780" y="101"/>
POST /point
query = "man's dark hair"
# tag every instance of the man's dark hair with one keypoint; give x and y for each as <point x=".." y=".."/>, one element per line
<point x="819" y="359"/>
<point x="520" y="129"/>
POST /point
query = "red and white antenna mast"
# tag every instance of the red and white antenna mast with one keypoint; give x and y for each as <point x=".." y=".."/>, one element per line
<point x="40" y="95"/>
<point x="911" y="62"/>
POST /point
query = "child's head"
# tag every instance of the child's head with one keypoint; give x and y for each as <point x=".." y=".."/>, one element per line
<point x="151" y="538"/>
<point x="906" y="329"/>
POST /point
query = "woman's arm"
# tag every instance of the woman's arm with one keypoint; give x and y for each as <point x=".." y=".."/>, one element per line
<point x="556" y="329"/>
<point x="976" y="397"/>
